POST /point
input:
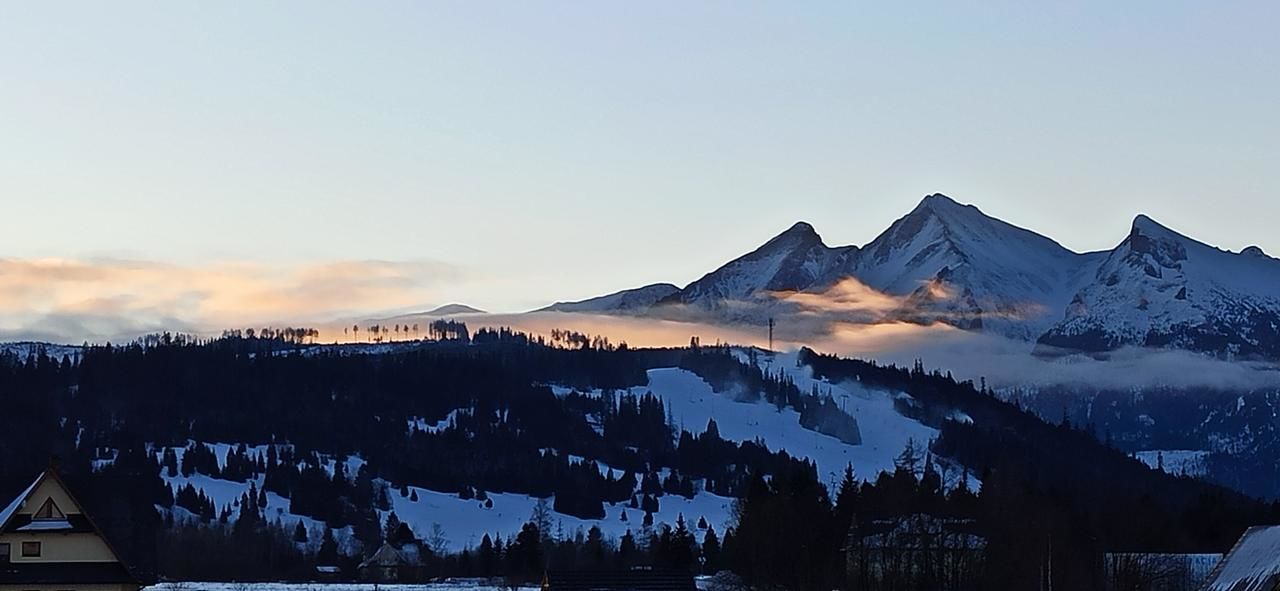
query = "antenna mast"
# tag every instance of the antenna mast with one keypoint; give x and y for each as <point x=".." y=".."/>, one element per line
<point x="770" y="334"/>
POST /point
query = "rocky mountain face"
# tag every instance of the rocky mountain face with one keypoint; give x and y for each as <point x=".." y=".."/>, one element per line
<point x="956" y="265"/>
<point x="1159" y="288"/>
<point x="951" y="263"/>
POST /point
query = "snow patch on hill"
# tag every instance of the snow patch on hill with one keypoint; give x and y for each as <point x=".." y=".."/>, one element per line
<point x="1189" y="462"/>
<point x="885" y="432"/>
<point x="464" y="522"/>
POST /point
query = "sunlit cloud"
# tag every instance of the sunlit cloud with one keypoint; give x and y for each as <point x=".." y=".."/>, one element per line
<point x="74" y="300"/>
<point x="848" y="297"/>
<point x="62" y="300"/>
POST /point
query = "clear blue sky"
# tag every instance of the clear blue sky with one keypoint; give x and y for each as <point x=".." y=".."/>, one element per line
<point x="545" y="151"/>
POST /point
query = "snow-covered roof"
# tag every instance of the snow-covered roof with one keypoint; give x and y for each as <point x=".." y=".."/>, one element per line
<point x="1252" y="565"/>
<point x="10" y="510"/>
<point x="48" y="525"/>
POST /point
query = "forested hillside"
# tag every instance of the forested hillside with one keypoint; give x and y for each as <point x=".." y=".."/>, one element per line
<point x="249" y="458"/>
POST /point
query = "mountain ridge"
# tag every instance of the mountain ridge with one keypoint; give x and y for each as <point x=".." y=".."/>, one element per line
<point x="952" y="263"/>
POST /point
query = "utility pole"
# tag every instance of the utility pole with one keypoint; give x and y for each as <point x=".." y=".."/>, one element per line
<point x="770" y="334"/>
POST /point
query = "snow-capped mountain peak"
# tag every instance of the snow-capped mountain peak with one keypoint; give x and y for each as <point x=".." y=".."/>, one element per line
<point x="798" y="231"/>
<point x="1162" y="288"/>
<point x="994" y="275"/>
<point x="949" y="262"/>
<point x="1254" y="251"/>
<point x="796" y="259"/>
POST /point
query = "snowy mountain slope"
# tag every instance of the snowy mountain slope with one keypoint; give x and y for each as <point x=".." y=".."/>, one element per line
<point x="464" y="522"/>
<point x="1162" y="289"/>
<point x="951" y="263"/>
<point x="627" y="300"/>
<point x="957" y="265"/>
<point x="794" y="260"/>
<point x="885" y="433"/>
<point x="692" y="403"/>
<point x="947" y="262"/>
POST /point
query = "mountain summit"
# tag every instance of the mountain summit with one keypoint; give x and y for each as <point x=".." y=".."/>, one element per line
<point x="1161" y="288"/>
<point x="951" y="263"/>
<point x="794" y="260"/>
<point x="995" y="275"/>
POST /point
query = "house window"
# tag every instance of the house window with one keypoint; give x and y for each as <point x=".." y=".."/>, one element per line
<point x="4" y="552"/>
<point x="31" y="549"/>
<point x="49" y="511"/>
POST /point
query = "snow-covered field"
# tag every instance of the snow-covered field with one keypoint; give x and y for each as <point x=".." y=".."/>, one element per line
<point x="452" y="585"/>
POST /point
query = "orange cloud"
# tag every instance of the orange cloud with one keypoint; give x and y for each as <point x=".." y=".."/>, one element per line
<point x="83" y="299"/>
<point x="847" y="296"/>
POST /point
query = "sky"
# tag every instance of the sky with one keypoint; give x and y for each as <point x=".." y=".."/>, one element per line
<point x="183" y="162"/>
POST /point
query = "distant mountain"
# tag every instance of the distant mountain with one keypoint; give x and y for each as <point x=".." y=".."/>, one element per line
<point x="632" y="299"/>
<point x="1162" y="289"/>
<point x="453" y="309"/>
<point x="957" y="265"/>
<point x="794" y="260"/>
<point x="951" y="263"/>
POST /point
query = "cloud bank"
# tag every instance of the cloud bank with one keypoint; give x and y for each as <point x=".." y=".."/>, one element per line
<point x="854" y="320"/>
<point x="67" y="300"/>
<point x="96" y="300"/>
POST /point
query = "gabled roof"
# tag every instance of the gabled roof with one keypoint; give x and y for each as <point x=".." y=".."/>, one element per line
<point x="387" y="555"/>
<point x="79" y="523"/>
<point x="12" y="509"/>
<point x="1252" y="565"/>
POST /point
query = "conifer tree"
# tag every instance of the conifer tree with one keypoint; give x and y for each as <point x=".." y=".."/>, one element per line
<point x="328" y="553"/>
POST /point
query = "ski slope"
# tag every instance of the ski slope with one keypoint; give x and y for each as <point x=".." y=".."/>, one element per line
<point x="692" y="402"/>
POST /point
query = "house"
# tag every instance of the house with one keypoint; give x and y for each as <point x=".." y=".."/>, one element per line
<point x="1253" y="564"/>
<point x="48" y="543"/>
<point x="391" y="563"/>
<point x="639" y="578"/>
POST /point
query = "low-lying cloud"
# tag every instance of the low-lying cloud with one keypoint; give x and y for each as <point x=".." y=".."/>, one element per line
<point x="852" y="319"/>
<point x="968" y="355"/>
<point x="69" y="300"/>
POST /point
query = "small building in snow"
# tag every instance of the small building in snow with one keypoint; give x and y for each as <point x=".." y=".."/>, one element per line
<point x="1253" y="564"/>
<point x="390" y="563"/>
<point x="48" y="543"/>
